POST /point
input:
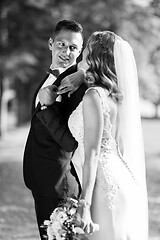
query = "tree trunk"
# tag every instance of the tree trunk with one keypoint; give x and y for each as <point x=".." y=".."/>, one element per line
<point x="0" y="103"/>
<point x="156" y="110"/>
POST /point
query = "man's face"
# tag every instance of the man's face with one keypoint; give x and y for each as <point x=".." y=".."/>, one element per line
<point x="65" y="48"/>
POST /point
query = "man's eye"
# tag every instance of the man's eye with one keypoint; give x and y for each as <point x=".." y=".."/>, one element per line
<point x="61" y="44"/>
<point x="72" y="48"/>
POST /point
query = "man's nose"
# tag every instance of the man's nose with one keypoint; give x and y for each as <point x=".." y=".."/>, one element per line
<point x="67" y="50"/>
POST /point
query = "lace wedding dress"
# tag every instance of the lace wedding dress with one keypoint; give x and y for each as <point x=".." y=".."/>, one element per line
<point x="117" y="205"/>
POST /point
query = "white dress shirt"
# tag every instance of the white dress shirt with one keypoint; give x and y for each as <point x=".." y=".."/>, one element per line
<point x="49" y="81"/>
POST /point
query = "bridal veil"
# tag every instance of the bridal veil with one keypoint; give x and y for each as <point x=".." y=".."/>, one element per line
<point x="130" y="128"/>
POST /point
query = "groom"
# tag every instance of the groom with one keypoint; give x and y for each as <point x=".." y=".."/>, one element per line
<point x="48" y="170"/>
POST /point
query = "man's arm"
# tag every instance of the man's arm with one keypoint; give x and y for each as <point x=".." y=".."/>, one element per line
<point x="58" y="128"/>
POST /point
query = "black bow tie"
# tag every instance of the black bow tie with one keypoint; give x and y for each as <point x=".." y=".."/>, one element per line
<point x="55" y="72"/>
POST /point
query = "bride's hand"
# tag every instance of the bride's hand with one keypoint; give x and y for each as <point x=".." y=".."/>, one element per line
<point x="71" y="82"/>
<point x="87" y="223"/>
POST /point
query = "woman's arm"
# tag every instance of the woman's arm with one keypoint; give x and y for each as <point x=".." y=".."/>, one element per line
<point x="73" y="81"/>
<point x="93" y="128"/>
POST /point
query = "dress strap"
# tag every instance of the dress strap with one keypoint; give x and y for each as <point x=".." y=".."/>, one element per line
<point x="103" y="93"/>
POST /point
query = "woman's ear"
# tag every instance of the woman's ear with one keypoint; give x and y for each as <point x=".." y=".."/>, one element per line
<point x="50" y="42"/>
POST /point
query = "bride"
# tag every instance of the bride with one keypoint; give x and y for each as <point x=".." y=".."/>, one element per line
<point x="107" y="126"/>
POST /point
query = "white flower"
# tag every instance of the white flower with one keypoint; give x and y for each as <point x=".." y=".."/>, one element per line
<point x="54" y="215"/>
<point x="47" y="222"/>
<point x="58" y="237"/>
<point x="61" y="217"/>
<point x="50" y="233"/>
<point x="61" y="235"/>
<point x="56" y="226"/>
<point x="62" y="222"/>
<point x="78" y="230"/>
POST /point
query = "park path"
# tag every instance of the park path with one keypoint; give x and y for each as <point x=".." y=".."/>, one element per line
<point x="12" y="144"/>
<point x="17" y="217"/>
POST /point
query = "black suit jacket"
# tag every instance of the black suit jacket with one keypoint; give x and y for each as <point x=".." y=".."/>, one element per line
<point x="49" y="146"/>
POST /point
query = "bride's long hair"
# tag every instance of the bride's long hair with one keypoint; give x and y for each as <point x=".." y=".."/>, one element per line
<point x="112" y="65"/>
<point x="100" y="59"/>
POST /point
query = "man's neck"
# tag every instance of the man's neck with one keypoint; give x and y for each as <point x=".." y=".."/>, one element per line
<point x="61" y="70"/>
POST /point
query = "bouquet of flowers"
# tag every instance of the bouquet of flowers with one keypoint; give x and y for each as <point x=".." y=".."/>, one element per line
<point x="65" y="223"/>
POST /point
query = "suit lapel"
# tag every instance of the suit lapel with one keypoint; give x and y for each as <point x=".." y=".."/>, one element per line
<point x="57" y="83"/>
<point x="35" y="94"/>
<point x="70" y="104"/>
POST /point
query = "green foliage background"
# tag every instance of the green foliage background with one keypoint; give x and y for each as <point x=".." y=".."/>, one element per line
<point x="26" y="25"/>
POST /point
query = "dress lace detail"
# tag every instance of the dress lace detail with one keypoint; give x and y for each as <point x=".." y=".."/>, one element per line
<point x="106" y="180"/>
<point x="117" y="203"/>
<point x="75" y="123"/>
<point x="108" y="147"/>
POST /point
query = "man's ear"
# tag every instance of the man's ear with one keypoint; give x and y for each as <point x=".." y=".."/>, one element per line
<point x="50" y="42"/>
<point x="80" y="51"/>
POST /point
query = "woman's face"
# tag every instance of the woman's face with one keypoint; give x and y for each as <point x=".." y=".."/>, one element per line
<point x="83" y="63"/>
<point x="84" y="55"/>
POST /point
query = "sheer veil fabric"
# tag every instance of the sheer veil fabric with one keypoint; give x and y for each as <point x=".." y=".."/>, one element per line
<point x="130" y="129"/>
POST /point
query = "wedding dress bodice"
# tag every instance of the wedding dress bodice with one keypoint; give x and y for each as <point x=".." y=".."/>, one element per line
<point x="77" y="128"/>
<point x="109" y="158"/>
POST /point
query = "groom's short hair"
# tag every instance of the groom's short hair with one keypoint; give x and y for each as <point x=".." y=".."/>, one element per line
<point x="69" y="25"/>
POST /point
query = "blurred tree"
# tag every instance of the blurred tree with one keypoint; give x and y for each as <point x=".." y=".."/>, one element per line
<point x="25" y="28"/>
<point x="154" y="85"/>
<point x="21" y="46"/>
<point x="26" y="25"/>
<point x="141" y="28"/>
<point x="92" y="14"/>
<point x="155" y="4"/>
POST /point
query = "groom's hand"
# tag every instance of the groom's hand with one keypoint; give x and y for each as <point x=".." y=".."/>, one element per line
<point x="47" y="95"/>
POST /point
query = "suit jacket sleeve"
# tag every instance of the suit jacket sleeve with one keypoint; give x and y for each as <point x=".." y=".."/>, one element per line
<point x="58" y="127"/>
